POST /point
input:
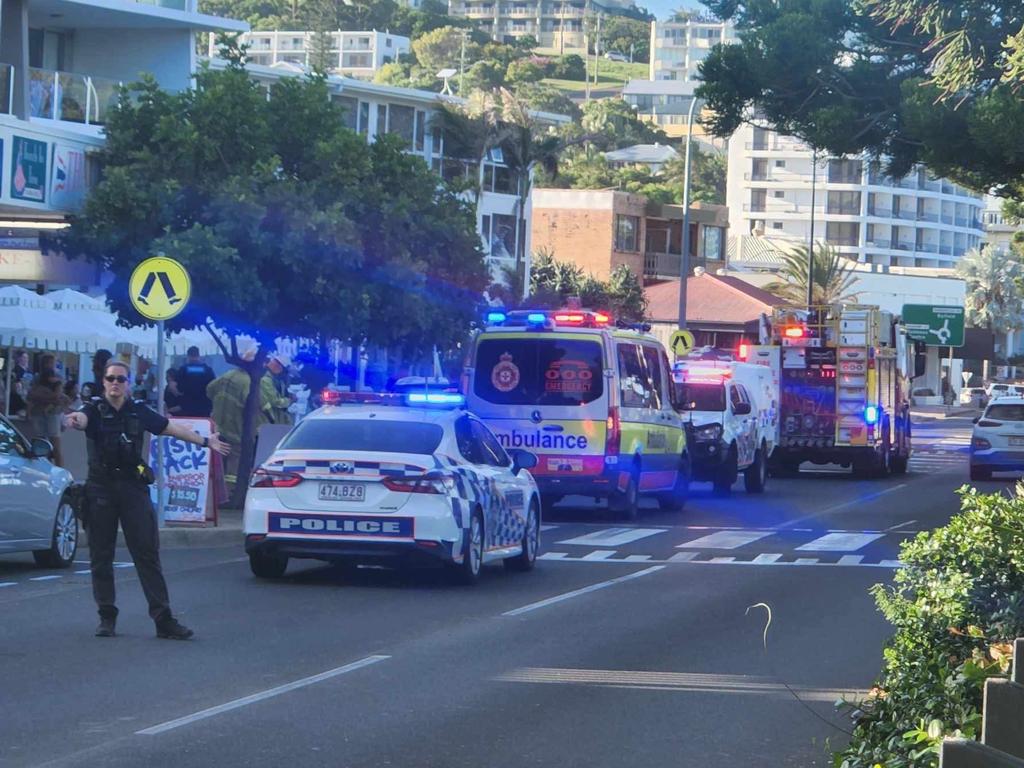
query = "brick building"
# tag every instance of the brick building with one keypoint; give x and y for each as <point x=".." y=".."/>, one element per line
<point x="600" y="229"/>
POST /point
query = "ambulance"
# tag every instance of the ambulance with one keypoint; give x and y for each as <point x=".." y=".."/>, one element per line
<point x="733" y="410"/>
<point x="592" y="399"/>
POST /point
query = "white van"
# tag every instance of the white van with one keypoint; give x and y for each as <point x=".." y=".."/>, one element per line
<point x="733" y="411"/>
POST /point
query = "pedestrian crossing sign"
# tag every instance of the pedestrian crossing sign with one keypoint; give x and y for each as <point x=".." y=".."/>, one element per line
<point x="159" y="288"/>
<point x="681" y="342"/>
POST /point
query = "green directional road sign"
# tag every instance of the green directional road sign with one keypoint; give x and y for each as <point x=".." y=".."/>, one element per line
<point x="935" y="326"/>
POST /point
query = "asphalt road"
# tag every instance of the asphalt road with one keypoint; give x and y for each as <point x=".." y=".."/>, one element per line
<point x="629" y="645"/>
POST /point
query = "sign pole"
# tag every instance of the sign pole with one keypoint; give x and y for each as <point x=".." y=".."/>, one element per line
<point x="161" y="505"/>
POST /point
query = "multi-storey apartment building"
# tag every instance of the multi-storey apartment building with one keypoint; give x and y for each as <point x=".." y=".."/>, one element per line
<point x="916" y="221"/>
<point x="372" y="110"/>
<point x="558" y="25"/>
<point x="678" y="47"/>
<point x="60" y="65"/>
<point x="353" y="54"/>
<point x="999" y="232"/>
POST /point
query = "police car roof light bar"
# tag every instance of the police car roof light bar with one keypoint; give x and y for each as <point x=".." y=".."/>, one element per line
<point x="450" y="399"/>
<point x="335" y="397"/>
<point x="496" y="318"/>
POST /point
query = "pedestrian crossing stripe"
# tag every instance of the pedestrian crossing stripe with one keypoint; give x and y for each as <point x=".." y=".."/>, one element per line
<point x="606" y="556"/>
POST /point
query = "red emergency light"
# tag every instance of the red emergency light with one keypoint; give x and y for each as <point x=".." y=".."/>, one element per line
<point x="793" y="332"/>
<point x="570" y="318"/>
<point x="744" y="351"/>
<point x="600" y="318"/>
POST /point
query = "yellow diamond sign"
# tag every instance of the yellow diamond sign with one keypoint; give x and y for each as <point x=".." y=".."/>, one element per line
<point x="159" y="288"/>
<point x="681" y="343"/>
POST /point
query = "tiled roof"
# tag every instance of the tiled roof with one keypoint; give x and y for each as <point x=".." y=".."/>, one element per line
<point x="642" y="153"/>
<point x="717" y="299"/>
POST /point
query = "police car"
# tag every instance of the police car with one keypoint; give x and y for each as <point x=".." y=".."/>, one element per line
<point x="393" y="480"/>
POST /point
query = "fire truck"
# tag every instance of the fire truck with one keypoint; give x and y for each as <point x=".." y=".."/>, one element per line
<point x="844" y="388"/>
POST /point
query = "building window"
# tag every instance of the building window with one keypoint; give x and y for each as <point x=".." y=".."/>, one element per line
<point x="780" y="163"/>
<point x="349" y="111"/>
<point x="364" y="118"/>
<point x="776" y="225"/>
<point x="759" y="169"/>
<point x="842" y="233"/>
<point x="758" y="199"/>
<point x="401" y="122"/>
<point x="626" y="232"/>
<point x="844" y="171"/>
<point x="760" y="139"/>
<point x="421" y="129"/>
<point x="382" y="119"/>
<point x="713" y="243"/>
<point x="500" y="235"/>
<point x="778" y="194"/>
<point x="843" y="203"/>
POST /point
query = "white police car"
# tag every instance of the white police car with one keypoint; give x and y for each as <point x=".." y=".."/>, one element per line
<point x="387" y="479"/>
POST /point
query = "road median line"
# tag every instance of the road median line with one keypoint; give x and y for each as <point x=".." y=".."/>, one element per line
<point x="581" y="591"/>
<point x="252" y="699"/>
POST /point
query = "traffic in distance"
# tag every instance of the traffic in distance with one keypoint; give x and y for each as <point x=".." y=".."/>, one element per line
<point x="559" y="403"/>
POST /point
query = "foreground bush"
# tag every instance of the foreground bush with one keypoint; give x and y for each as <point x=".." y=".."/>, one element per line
<point x="956" y="608"/>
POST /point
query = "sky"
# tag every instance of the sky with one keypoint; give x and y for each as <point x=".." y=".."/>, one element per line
<point x="662" y="9"/>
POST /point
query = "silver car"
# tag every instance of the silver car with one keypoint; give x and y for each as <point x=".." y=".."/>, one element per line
<point x="36" y="514"/>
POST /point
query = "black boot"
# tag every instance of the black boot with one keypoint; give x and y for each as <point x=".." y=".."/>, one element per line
<point x="106" y="627"/>
<point x="170" y="629"/>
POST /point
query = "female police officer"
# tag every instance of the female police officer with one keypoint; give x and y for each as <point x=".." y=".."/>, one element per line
<point x="116" y="490"/>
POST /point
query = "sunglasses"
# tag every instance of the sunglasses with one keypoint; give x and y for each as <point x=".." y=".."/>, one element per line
<point x="118" y="379"/>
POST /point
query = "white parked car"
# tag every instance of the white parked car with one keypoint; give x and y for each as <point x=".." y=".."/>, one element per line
<point x="36" y="514"/>
<point x="393" y="480"/>
<point x="997" y="443"/>
<point x="615" y="56"/>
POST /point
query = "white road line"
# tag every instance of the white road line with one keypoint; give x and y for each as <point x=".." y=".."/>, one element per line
<point x="82" y="573"/>
<point x="598" y="554"/>
<point x="725" y="540"/>
<point x="900" y="525"/>
<point x="548" y="528"/>
<point x="890" y="564"/>
<point x="582" y="591"/>
<point x="806" y="561"/>
<point x="840" y="542"/>
<point x="722" y="560"/>
<point x="613" y="537"/>
<point x="636" y="558"/>
<point x="245" y="701"/>
<point x="682" y="557"/>
<point x="844" y="505"/>
<point x="850" y="559"/>
<point x="553" y="556"/>
<point x="767" y="558"/>
<point x="44" y="578"/>
<point x="8" y="583"/>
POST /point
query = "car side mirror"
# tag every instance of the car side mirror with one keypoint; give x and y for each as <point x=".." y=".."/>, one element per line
<point x="522" y="460"/>
<point x="976" y="419"/>
<point x="741" y="409"/>
<point x="41" y="449"/>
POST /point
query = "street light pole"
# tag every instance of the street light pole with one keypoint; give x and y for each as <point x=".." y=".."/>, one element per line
<point x="810" y="251"/>
<point x="684" y="267"/>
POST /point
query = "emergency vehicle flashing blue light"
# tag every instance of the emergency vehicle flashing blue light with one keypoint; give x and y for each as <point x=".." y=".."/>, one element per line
<point x="536" y="318"/>
<point x="496" y="317"/>
<point x="435" y="398"/>
<point x="871" y="414"/>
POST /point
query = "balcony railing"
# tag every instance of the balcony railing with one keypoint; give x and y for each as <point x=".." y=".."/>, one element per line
<point x="843" y="210"/>
<point x="70" y="97"/>
<point x="881" y="213"/>
<point x="926" y="216"/>
<point x="908" y="215"/>
<point x="759" y="176"/>
<point x="6" y="89"/>
<point x="946" y="249"/>
<point x="961" y="221"/>
<point x="177" y="5"/>
<point x="927" y="247"/>
<point x="662" y="264"/>
<point x="902" y="245"/>
<point x="930" y="185"/>
<point x="848" y="241"/>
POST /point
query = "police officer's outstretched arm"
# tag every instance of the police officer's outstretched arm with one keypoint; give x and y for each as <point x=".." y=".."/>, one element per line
<point x="184" y="433"/>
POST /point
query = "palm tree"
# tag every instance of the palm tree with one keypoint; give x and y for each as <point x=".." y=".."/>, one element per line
<point x="994" y="299"/>
<point x="833" y="276"/>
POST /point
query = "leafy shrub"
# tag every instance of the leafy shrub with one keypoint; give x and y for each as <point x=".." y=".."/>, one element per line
<point x="524" y="71"/>
<point x="570" y="67"/>
<point x="956" y="606"/>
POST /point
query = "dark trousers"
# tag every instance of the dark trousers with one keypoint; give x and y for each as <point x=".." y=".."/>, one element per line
<point x="127" y="502"/>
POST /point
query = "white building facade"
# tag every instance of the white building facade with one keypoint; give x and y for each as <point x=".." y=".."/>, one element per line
<point x="353" y="54"/>
<point x="678" y="47"/>
<point x="61" y="62"/>
<point x="998" y="232"/>
<point x="917" y="221"/>
<point x="557" y="25"/>
<point x="372" y="109"/>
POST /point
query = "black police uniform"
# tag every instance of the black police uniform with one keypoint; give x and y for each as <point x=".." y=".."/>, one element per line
<point x="117" y="490"/>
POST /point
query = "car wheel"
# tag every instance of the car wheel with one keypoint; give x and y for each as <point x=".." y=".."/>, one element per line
<point x="267" y="566"/>
<point x="468" y="571"/>
<point x="531" y="543"/>
<point x="674" y="500"/>
<point x="63" y="540"/>
<point x="980" y="473"/>
<point x="726" y="474"/>
<point x="627" y="502"/>
<point x="755" y="477"/>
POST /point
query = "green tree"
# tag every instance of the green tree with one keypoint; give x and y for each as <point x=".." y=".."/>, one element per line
<point x="915" y="81"/>
<point x="613" y="124"/>
<point x="994" y="284"/>
<point x="321" y="14"/>
<point x="627" y="36"/>
<point x="553" y="282"/>
<point x="524" y="71"/>
<point x="442" y="49"/>
<point x="570" y="67"/>
<point x="484" y="75"/>
<point x="289" y="224"/>
<point x="834" y="278"/>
